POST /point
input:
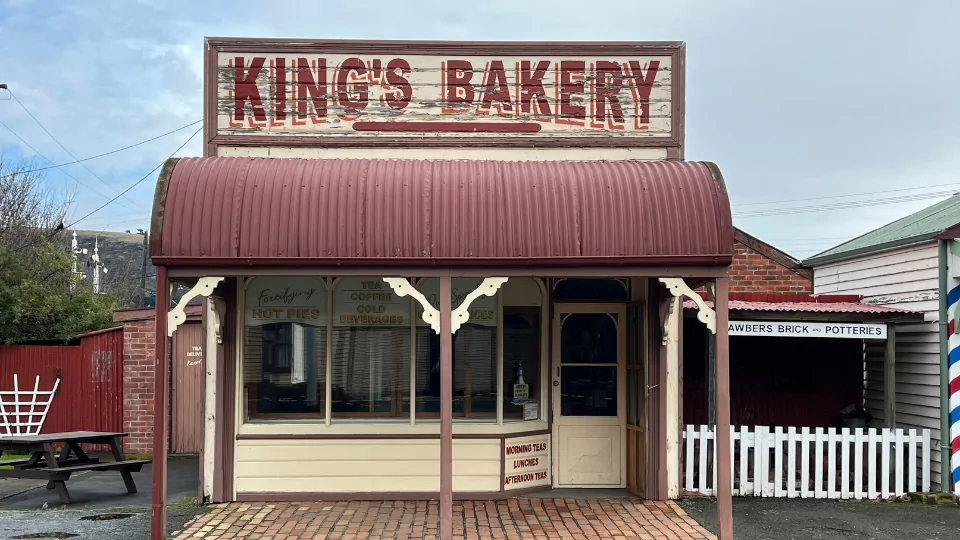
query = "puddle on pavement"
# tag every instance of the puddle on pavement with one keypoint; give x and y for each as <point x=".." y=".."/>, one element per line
<point x="105" y="517"/>
<point x="44" y="535"/>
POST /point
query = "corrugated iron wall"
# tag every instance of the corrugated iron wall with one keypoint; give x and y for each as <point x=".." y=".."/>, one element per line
<point x="90" y="397"/>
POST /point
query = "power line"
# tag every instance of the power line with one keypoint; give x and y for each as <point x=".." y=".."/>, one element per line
<point x="75" y="179"/>
<point x="841" y="206"/>
<point x="73" y="225"/>
<point x="844" y="196"/>
<point x="47" y="131"/>
<point x="110" y="152"/>
<point x="135" y="184"/>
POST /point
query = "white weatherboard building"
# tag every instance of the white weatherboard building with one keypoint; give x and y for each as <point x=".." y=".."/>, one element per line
<point x="905" y="265"/>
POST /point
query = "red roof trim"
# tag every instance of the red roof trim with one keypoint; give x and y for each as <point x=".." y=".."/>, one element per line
<point x="383" y="213"/>
<point x="806" y="307"/>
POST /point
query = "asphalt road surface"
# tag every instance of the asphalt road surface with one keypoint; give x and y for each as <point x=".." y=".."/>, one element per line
<point x="756" y="518"/>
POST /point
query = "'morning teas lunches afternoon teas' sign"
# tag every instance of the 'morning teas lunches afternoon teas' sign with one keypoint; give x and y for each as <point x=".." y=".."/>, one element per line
<point x="629" y="94"/>
<point x="526" y="462"/>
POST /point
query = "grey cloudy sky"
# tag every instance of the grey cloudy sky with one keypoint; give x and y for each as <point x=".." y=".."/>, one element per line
<point x="834" y="100"/>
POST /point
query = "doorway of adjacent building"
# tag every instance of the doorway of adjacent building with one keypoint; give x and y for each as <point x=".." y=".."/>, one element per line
<point x="186" y="396"/>
<point x="589" y="395"/>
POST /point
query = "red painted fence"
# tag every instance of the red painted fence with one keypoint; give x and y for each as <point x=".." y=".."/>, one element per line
<point x="90" y="397"/>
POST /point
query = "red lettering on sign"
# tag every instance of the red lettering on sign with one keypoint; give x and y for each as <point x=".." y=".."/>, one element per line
<point x="607" y="82"/>
<point x="531" y="462"/>
<point x="642" y="85"/>
<point x="397" y="71"/>
<point x="312" y="89"/>
<point x="571" y="75"/>
<point x="279" y="73"/>
<point x="245" y="88"/>
<point x="531" y="96"/>
<point x="352" y="89"/>
<point x="458" y="92"/>
<point x="496" y="92"/>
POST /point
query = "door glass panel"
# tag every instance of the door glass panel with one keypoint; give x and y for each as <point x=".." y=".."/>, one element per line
<point x="588" y="338"/>
<point x="588" y="391"/>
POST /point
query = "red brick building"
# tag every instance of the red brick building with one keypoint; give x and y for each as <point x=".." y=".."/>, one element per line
<point x="138" y="366"/>
<point x="759" y="267"/>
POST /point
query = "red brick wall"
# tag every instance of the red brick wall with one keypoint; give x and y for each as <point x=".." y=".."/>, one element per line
<point x="753" y="272"/>
<point x="138" y="356"/>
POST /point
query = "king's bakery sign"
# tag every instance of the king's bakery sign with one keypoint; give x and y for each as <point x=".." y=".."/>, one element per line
<point x="425" y="91"/>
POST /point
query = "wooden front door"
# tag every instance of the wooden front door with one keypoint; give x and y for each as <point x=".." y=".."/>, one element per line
<point x="589" y="393"/>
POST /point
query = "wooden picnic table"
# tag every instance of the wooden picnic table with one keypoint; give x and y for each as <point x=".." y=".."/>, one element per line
<point x="44" y="464"/>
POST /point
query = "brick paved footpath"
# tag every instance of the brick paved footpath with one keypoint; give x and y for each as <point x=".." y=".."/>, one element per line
<point x="507" y="519"/>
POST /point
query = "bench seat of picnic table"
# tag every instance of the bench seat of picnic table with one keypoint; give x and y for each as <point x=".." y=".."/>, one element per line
<point x="132" y="465"/>
<point x="41" y="464"/>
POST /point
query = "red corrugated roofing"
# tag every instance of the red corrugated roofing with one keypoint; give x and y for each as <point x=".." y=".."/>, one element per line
<point x="804" y="307"/>
<point x="388" y="212"/>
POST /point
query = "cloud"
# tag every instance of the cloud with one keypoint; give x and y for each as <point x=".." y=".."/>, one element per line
<point x="791" y="99"/>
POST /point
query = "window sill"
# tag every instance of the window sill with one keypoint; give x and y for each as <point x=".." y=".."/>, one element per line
<point x="379" y="426"/>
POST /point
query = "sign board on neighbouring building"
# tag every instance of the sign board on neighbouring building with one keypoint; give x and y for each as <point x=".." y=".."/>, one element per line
<point x="623" y="94"/>
<point x="808" y="329"/>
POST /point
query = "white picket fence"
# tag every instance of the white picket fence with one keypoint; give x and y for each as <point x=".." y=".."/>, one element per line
<point x="822" y="464"/>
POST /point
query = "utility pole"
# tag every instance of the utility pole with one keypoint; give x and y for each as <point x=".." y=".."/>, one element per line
<point x="75" y="250"/>
<point x="97" y="266"/>
<point x="143" y="270"/>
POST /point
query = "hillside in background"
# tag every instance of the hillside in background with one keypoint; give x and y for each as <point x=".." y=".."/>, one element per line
<point x="122" y="255"/>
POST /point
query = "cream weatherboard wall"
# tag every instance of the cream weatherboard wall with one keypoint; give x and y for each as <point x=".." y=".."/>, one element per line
<point x="905" y="278"/>
<point x="351" y="466"/>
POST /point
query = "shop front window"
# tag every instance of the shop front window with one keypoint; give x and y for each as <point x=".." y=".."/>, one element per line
<point x="284" y="347"/>
<point x="522" y="304"/>
<point x="474" y="355"/>
<point x="371" y="350"/>
<point x="521" y="360"/>
<point x="374" y="336"/>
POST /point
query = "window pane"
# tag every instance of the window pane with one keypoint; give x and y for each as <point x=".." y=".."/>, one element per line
<point x="283" y="369"/>
<point x="588" y="390"/>
<point x="371" y="373"/>
<point x="371" y="349"/>
<point x="590" y="289"/>
<point x="474" y="371"/>
<point x="521" y="357"/>
<point x="284" y="347"/>
<point x="588" y="338"/>
<point x="474" y="355"/>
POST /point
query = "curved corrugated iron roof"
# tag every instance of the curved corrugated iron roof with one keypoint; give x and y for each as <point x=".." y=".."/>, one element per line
<point x="390" y="212"/>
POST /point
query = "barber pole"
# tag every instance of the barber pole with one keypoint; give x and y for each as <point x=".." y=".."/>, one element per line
<point x="953" y="304"/>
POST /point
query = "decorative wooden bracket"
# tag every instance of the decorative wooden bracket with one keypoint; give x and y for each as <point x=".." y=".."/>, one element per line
<point x="461" y="315"/>
<point x="679" y="288"/>
<point x="177" y="316"/>
<point x="216" y="305"/>
<point x="670" y="307"/>
<point x="403" y="288"/>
